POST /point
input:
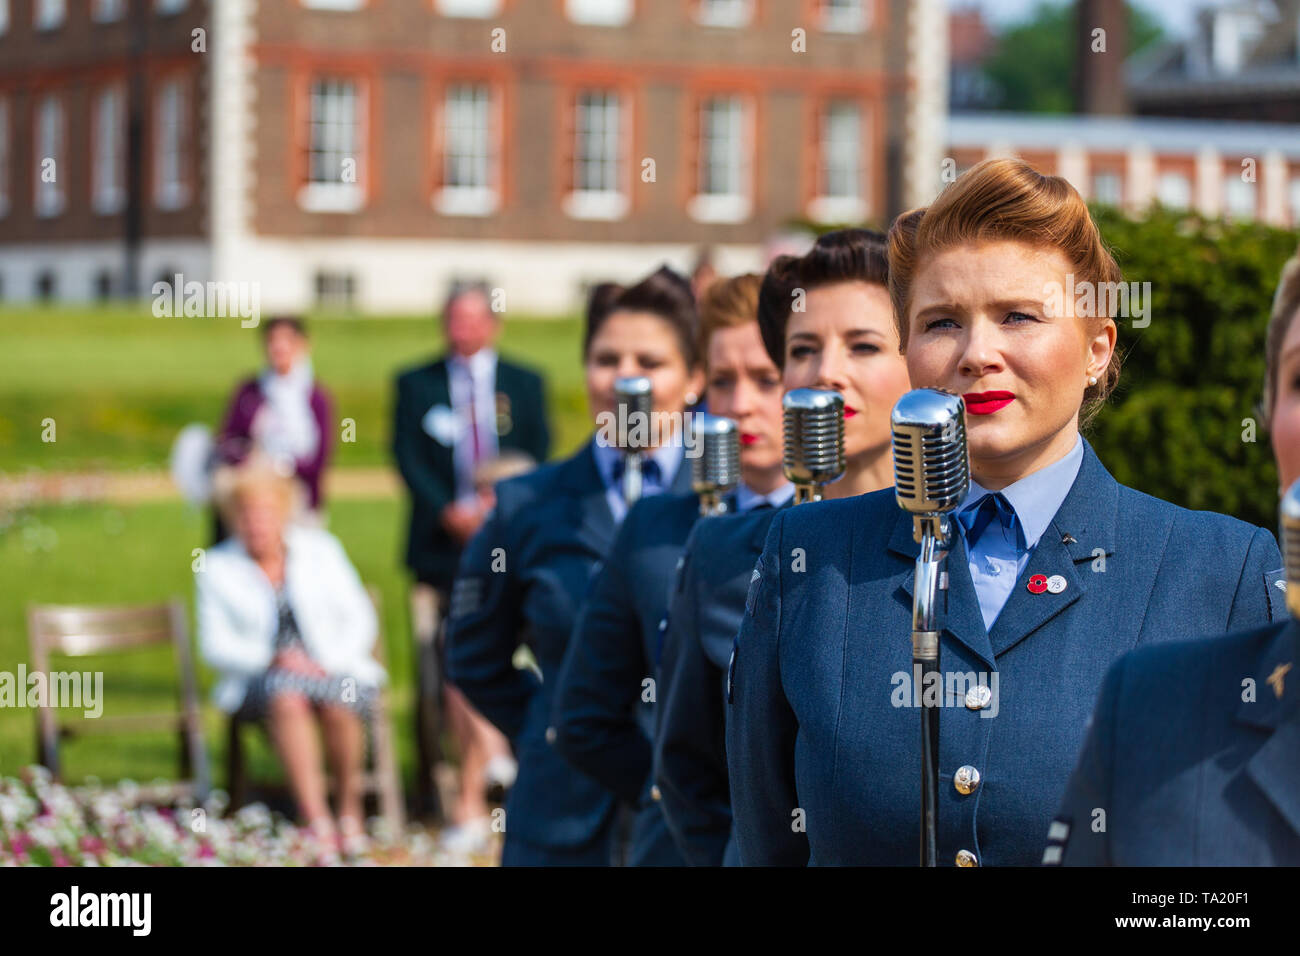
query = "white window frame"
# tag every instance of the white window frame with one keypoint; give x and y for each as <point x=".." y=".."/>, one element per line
<point x="108" y="11"/>
<point x="169" y="8"/>
<point x="318" y="195"/>
<point x="840" y="20"/>
<point x="468" y="9"/>
<point x="479" y="199"/>
<point x="1236" y="189"/>
<point x="607" y="203"/>
<point x="49" y="14"/>
<point x="341" y="6"/>
<point x="837" y="207"/>
<point x="589" y="12"/>
<point x="1293" y="198"/>
<point x="737" y="205"/>
<point x="49" y="199"/>
<point x="108" y="163"/>
<point x="4" y="17"/>
<point x="729" y="14"/>
<point x="6" y="154"/>
<point x="171" y="144"/>
<point x="1174" y="190"/>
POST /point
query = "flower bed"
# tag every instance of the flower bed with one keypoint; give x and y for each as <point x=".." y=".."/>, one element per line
<point x="43" y="823"/>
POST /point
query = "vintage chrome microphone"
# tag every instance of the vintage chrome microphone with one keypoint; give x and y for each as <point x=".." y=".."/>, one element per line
<point x="931" y="479"/>
<point x="1289" y="519"/>
<point x="716" y="471"/>
<point x="814" y="440"/>
<point x="635" y="403"/>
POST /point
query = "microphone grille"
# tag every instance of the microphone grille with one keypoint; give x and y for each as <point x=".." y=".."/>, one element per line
<point x="717" y="468"/>
<point x="1290" y="522"/>
<point x="931" y="467"/>
<point x="634" y="394"/>
<point x="814" y="435"/>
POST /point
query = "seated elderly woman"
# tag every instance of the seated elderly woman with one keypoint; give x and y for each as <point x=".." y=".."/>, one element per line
<point x="284" y="618"/>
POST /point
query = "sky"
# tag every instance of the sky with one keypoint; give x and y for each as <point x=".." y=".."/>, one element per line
<point x="1175" y="15"/>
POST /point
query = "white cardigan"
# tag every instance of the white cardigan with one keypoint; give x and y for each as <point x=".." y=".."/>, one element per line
<point x="238" y="619"/>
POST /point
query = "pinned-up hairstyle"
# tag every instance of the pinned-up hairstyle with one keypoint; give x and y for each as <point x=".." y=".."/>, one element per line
<point x="1286" y="302"/>
<point x="845" y="255"/>
<point x="727" y="304"/>
<point x="663" y="293"/>
<point x="1006" y="199"/>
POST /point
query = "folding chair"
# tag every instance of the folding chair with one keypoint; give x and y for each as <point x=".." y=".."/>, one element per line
<point x="81" y="630"/>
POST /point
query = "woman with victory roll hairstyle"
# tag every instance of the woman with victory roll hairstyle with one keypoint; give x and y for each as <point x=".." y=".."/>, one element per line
<point x="524" y="577"/>
<point x="826" y="324"/>
<point x="1055" y="570"/>
<point x="1190" y="759"/>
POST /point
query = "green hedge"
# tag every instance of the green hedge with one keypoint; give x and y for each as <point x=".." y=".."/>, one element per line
<point x="1174" y="428"/>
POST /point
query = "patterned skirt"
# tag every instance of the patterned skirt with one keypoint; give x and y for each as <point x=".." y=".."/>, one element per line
<point x="331" y="689"/>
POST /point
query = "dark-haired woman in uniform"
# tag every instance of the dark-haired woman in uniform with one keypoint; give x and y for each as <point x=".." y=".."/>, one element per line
<point x="843" y="338"/>
<point x="524" y="576"/>
<point x="1191" y="759"/>
<point x="607" y="696"/>
<point x="1056" y="569"/>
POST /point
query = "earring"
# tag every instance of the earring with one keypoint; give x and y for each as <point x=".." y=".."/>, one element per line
<point x="691" y="398"/>
<point x="1092" y="380"/>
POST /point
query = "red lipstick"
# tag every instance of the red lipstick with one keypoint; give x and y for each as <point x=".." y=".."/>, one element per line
<point x="748" y="438"/>
<point x="849" y="411"/>
<point x="986" y="403"/>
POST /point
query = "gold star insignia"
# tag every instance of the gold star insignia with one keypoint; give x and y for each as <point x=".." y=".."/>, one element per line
<point x="1279" y="674"/>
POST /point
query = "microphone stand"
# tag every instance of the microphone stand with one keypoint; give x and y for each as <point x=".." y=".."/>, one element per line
<point x="632" y="476"/>
<point x="806" y="491"/>
<point x="929" y="608"/>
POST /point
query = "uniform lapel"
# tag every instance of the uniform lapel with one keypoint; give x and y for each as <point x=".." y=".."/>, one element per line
<point x="1272" y="768"/>
<point x="596" y="525"/>
<point x="963" y="621"/>
<point x="1083" y="529"/>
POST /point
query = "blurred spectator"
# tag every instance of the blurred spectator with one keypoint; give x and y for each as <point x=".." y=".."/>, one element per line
<point x="284" y="618"/>
<point x="282" y="413"/>
<point x="453" y="415"/>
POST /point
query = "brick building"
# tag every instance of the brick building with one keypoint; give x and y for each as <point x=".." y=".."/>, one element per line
<point x="1240" y="170"/>
<point x="370" y="151"/>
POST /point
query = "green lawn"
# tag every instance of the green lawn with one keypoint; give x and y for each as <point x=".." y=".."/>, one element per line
<point x="119" y="384"/>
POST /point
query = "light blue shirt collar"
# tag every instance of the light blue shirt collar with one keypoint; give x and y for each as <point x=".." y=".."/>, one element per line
<point x="1037" y="497"/>
<point x="747" y="499"/>
<point x="668" y="456"/>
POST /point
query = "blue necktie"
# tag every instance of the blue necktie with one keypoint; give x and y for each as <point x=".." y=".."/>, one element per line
<point x="651" y="475"/>
<point x="977" y="517"/>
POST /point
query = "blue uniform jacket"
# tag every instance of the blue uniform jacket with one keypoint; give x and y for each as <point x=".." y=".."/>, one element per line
<point x="690" y="738"/>
<point x="1191" y="759"/>
<point x="523" y="579"/>
<point x="823" y="741"/>
<point x="606" y="699"/>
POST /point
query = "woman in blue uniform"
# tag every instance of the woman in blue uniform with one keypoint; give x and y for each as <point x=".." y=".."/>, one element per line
<point x="1204" y="771"/>
<point x="524" y="576"/>
<point x="1056" y="569"/>
<point x="843" y="339"/>
<point x="606" y="699"/>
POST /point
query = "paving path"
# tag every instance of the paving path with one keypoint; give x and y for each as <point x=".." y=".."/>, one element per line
<point x="128" y="487"/>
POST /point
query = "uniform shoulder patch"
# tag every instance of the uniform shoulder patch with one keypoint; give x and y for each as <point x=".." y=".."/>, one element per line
<point x="466" y="597"/>
<point x="1058" y="837"/>
<point x="751" y="596"/>
<point x="1275" y="585"/>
